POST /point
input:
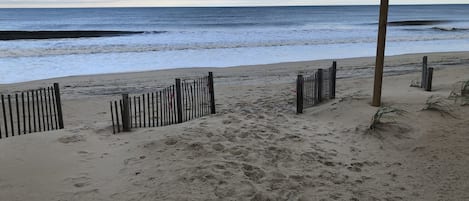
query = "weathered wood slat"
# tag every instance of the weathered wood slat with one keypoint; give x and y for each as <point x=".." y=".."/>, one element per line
<point x="54" y="108"/>
<point x="125" y="113"/>
<point x="38" y="104"/>
<point x="50" y="108"/>
<point x="135" y="112"/>
<point x="24" y="112"/>
<point x="58" y="103"/>
<point x="18" y="122"/>
<point x="112" y="119"/>
<point x="299" y="94"/>
<point x="11" y="116"/>
<point x="149" y="110"/>
<point x="161" y="107"/>
<point x="5" y="119"/>
<point x="34" y="110"/>
<point x="29" y="112"/>
<point x="47" y="109"/>
<point x="153" y="109"/>
<point x="117" y="117"/>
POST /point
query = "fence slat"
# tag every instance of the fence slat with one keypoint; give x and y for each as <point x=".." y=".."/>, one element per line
<point x="135" y="112"/>
<point x="125" y="113"/>
<point x="299" y="94"/>
<point x="29" y="112"/>
<point x="54" y="108"/>
<point x="34" y="110"/>
<point x="424" y="72"/>
<point x="320" y="84"/>
<point x="139" y="112"/>
<point x="11" y="116"/>
<point x="130" y="112"/>
<point x="18" y="114"/>
<point x="197" y="98"/>
<point x="24" y="113"/>
<point x="46" y="108"/>
<point x="168" y="105"/>
<point x="179" y="100"/>
<point x="38" y="104"/>
<point x="156" y="109"/>
<point x="50" y="108"/>
<point x="161" y="108"/>
<point x="173" y="103"/>
<point x="204" y="97"/>
<point x="112" y="119"/>
<point x="117" y="117"/>
<point x="149" y="110"/>
<point x="5" y="119"/>
<point x="144" y="113"/>
<point x="192" y="100"/>
<point x="333" y="79"/>
<point x="59" y="105"/>
<point x="428" y="85"/>
<point x="153" y="109"/>
<point x="42" y="110"/>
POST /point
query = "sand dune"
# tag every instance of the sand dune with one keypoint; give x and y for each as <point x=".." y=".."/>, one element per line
<point x="256" y="147"/>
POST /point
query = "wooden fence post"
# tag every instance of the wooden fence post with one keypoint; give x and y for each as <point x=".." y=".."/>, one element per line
<point x="211" y="90"/>
<point x="125" y="113"/>
<point x="178" y="100"/>
<point x="319" y="84"/>
<point x="299" y="94"/>
<point x="429" y="79"/>
<point x="5" y="119"/>
<point x="59" y="105"/>
<point x="424" y="72"/>
<point x="332" y="80"/>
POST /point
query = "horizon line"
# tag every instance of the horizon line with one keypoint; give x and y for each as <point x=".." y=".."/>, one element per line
<point x="240" y="6"/>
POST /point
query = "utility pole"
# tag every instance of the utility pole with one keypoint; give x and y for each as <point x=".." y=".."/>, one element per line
<point x="383" y="21"/>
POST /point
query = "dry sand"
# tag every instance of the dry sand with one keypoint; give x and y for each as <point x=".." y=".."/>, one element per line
<point x="256" y="147"/>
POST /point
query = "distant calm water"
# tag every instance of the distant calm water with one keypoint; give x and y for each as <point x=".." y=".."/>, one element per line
<point x="218" y="37"/>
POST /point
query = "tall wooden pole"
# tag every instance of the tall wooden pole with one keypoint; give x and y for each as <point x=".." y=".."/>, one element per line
<point x="383" y="20"/>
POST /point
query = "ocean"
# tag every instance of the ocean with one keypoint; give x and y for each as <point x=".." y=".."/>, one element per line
<point x="162" y="38"/>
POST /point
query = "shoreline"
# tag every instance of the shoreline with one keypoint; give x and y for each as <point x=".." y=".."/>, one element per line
<point x="344" y="64"/>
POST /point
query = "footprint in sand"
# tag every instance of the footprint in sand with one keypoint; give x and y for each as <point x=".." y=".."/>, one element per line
<point x="79" y="182"/>
<point x="252" y="172"/>
<point x="71" y="139"/>
<point x="171" y="142"/>
<point x="243" y="189"/>
<point x="218" y="147"/>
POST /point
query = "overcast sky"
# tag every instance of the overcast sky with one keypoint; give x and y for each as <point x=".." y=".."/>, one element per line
<point x="128" y="3"/>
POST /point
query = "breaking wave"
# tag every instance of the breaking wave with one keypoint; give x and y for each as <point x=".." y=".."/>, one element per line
<point x="22" y="35"/>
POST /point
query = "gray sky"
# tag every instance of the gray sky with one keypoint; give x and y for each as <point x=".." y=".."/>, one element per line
<point x="125" y="3"/>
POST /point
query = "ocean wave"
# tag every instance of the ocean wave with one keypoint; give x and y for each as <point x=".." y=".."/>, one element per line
<point x="450" y="29"/>
<point x="128" y="48"/>
<point x="22" y="35"/>
<point x="417" y="22"/>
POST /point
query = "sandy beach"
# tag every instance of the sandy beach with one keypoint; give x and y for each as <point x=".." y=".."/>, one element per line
<point x="256" y="147"/>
